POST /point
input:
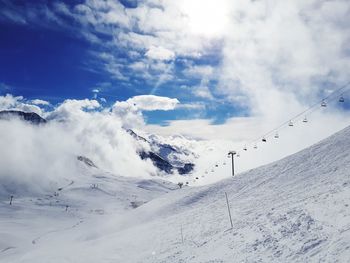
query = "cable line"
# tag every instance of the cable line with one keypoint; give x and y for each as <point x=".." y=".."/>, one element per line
<point x="323" y="103"/>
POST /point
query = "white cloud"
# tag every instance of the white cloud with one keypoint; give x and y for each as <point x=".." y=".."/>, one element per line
<point x="130" y="111"/>
<point x="39" y="158"/>
<point x="205" y="71"/>
<point x="160" y="53"/>
<point x="283" y="56"/>
<point x="28" y="108"/>
<point x="139" y="66"/>
<point x="129" y="114"/>
<point x="73" y="109"/>
<point x="191" y="106"/>
<point x="40" y="102"/>
<point x="152" y="102"/>
<point x="202" y="92"/>
<point x="203" y="129"/>
<point x="9" y="102"/>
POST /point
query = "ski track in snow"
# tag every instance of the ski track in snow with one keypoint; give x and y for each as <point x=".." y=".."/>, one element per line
<point x="35" y="240"/>
<point x="293" y="210"/>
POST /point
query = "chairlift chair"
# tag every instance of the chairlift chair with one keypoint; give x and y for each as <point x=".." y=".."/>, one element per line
<point x="245" y="148"/>
<point x="305" y="119"/>
<point x="238" y="155"/>
<point x="263" y="139"/>
<point x="341" y="99"/>
<point x="323" y="104"/>
<point x="290" y="124"/>
<point x="255" y="146"/>
<point x="276" y="135"/>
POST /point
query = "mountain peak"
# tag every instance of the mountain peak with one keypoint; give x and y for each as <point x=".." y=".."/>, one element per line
<point x="31" y="117"/>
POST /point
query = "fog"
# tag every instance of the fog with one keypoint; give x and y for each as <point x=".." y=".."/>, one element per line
<point x="36" y="158"/>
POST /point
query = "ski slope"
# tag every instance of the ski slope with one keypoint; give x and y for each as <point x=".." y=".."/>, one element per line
<point x="292" y="210"/>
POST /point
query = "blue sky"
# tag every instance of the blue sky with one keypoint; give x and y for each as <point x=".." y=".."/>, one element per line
<point x="45" y="55"/>
<point x="221" y="59"/>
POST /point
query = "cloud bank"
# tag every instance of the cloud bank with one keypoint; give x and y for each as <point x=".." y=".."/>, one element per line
<point x="39" y="158"/>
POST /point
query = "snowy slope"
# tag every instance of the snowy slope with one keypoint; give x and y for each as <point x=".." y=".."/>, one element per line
<point x="293" y="210"/>
<point x="93" y="194"/>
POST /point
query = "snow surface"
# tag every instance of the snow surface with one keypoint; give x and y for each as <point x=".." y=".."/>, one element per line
<point x="293" y="210"/>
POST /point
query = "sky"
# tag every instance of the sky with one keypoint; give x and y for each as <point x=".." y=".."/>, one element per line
<point x="212" y="68"/>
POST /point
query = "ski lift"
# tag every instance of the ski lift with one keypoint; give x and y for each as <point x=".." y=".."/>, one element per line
<point x="238" y="155"/>
<point x="341" y="99"/>
<point x="255" y="146"/>
<point x="245" y="148"/>
<point x="263" y="139"/>
<point x="276" y="135"/>
<point x="290" y="124"/>
<point x="305" y="120"/>
<point x="323" y="104"/>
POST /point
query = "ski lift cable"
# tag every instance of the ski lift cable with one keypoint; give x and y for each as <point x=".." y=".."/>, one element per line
<point x="309" y="110"/>
<point x="335" y="95"/>
<point x="291" y="122"/>
<point x="314" y="106"/>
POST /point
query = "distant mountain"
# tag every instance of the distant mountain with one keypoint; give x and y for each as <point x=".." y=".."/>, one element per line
<point x="26" y="116"/>
<point x="165" y="157"/>
<point x="157" y="160"/>
<point x="136" y="136"/>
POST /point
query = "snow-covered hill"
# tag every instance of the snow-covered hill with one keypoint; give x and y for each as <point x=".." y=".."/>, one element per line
<point x="293" y="210"/>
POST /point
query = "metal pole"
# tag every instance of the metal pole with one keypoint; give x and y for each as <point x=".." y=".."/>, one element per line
<point x="232" y="153"/>
<point x="182" y="236"/>
<point x="228" y="208"/>
<point x="233" y="166"/>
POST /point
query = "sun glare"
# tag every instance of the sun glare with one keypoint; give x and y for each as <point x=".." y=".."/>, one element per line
<point x="206" y="17"/>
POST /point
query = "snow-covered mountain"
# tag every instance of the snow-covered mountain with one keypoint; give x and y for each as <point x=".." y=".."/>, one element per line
<point x="166" y="157"/>
<point x="31" y="117"/>
<point x="293" y="210"/>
